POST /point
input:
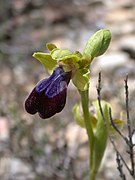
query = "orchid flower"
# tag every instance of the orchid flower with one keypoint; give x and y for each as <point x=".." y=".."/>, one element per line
<point x="49" y="95"/>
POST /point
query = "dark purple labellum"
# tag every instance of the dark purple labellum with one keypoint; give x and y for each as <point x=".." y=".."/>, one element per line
<point x="49" y="95"/>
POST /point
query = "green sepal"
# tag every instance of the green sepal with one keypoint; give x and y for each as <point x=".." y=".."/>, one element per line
<point x="51" y="46"/>
<point x="81" y="79"/>
<point x="98" y="43"/>
<point x="46" y="60"/>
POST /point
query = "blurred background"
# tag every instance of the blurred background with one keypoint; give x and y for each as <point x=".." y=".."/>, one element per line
<point x="56" y="148"/>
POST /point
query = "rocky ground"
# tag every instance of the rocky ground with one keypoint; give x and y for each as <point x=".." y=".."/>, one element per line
<point x="31" y="148"/>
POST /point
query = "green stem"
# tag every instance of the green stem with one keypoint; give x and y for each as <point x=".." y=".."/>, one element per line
<point x="91" y="137"/>
<point x="85" y="107"/>
<point x="93" y="175"/>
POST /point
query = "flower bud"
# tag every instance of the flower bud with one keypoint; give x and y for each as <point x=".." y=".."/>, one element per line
<point x="98" y="43"/>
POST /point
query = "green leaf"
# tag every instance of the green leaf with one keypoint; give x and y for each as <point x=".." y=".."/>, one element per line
<point x="101" y="135"/>
<point x="81" y="79"/>
<point x="46" y="60"/>
<point x="98" y="43"/>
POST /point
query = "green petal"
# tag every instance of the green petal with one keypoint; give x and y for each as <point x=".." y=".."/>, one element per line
<point x="46" y="60"/>
<point x="78" y="54"/>
<point x="85" y="61"/>
<point x="60" y="54"/>
<point x="118" y="123"/>
<point x="51" y="46"/>
<point x="98" y="43"/>
<point x="71" y="62"/>
<point x="66" y="58"/>
<point x="81" y="79"/>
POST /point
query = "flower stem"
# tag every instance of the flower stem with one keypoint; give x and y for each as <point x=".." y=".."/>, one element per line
<point x="91" y="137"/>
<point x="85" y="107"/>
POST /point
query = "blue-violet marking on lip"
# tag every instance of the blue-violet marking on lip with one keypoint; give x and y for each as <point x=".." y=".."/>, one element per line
<point x="49" y="95"/>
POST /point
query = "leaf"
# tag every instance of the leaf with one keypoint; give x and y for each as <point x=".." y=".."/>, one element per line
<point x="101" y="136"/>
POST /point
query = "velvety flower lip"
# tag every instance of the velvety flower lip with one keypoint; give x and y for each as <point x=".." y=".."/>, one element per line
<point x="49" y="95"/>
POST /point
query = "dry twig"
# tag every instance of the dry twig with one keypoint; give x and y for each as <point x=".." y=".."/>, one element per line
<point x="130" y="131"/>
<point x="119" y="158"/>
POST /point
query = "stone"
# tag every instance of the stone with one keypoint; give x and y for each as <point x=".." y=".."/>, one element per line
<point x="127" y="45"/>
<point x="4" y="129"/>
<point x="17" y="166"/>
<point x="112" y="60"/>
